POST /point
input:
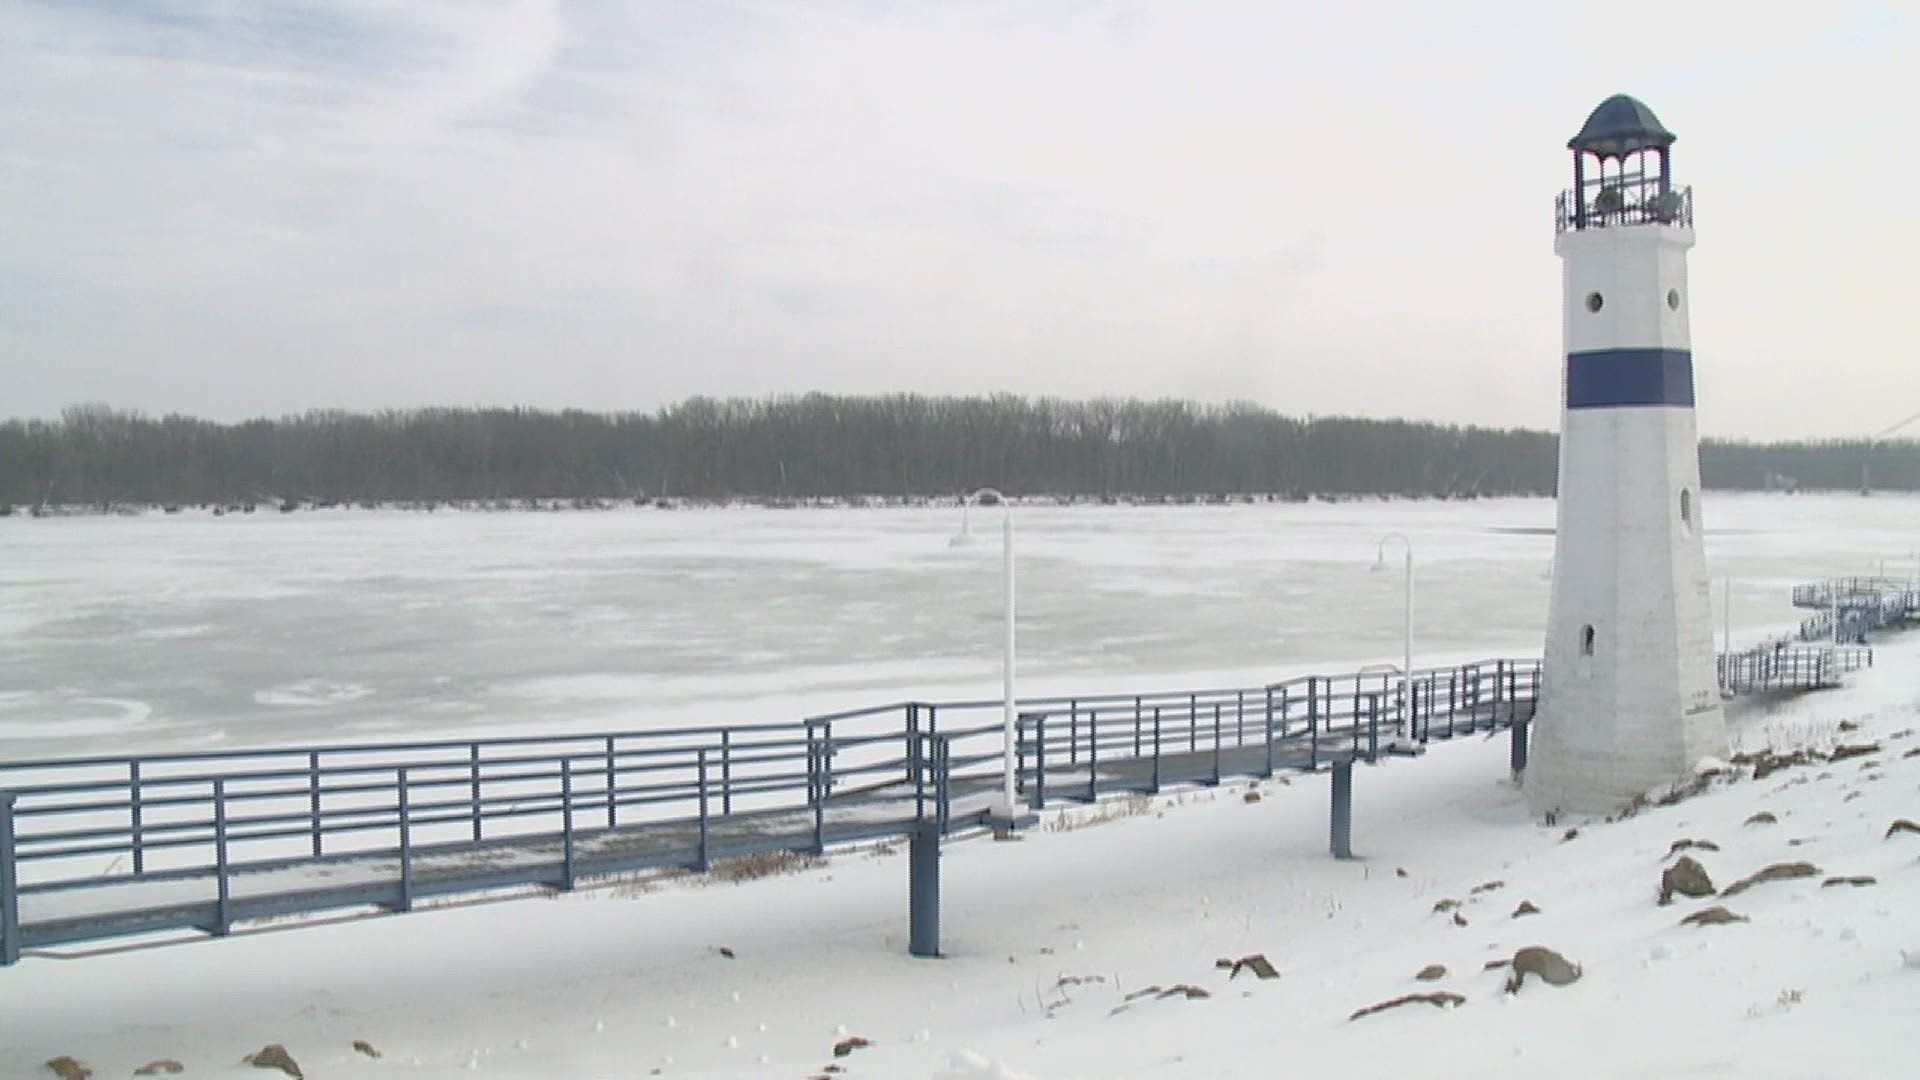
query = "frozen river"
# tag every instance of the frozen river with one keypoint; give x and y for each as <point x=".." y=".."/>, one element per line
<point x="188" y="630"/>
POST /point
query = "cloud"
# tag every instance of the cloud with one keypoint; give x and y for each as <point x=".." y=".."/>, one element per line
<point x="237" y="209"/>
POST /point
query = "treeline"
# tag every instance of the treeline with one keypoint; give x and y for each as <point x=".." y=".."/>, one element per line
<point x="827" y="446"/>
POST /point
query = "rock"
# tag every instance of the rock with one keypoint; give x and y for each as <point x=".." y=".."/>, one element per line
<point x="1915" y="752"/>
<point x="1713" y="916"/>
<point x="1539" y="960"/>
<point x="1487" y="886"/>
<point x="1776" y="872"/>
<point x="366" y="1048"/>
<point x="163" y="1065"/>
<point x="1900" y="826"/>
<point x="1432" y="972"/>
<point x="1441" y="907"/>
<point x="849" y="1044"/>
<point x="1445" y="999"/>
<point x="275" y="1056"/>
<point x="67" y="1068"/>
<point x="1686" y="877"/>
<point x="1763" y="818"/>
<point x="1496" y="965"/>
<point x="1685" y="844"/>
<point x="1257" y="963"/>
<point x="1399" y="871"/>
<point x="1855" y="880"/>
<point x="1842" y="753"/>
<point x="1570" y="834"/>
<point x="1250" y="797"/>
<point x="725" y="951"/>
<point x="1526" y="908"/>
<point x="1459" y="919"/>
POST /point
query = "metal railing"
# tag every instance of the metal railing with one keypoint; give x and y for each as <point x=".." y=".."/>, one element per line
<point x="1780" y="666"/>
<point x="1861" y="604"/>
<point x="101" y="846"/>
<point x="1632" y="204"/>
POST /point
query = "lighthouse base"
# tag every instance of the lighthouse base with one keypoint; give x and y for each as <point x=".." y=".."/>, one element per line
<point x="1563" y="777"/>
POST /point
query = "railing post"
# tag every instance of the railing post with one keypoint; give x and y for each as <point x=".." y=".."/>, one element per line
<point x="1156" y="751"/>
<point x="817" y="782"/>
<point x="223" y="908"/>
<point x="726" y="771"/>
<point x="406" y="842"/>
<point x="1193" y="723"/>
<point x="1268" y="771"/>
<point x="1093" y="755"/>
<point x="913" y="740"/>
<point x="1216" y="744"/>
<point x="1499" y="686"/>
<point x="566" y="823"/>
<point x="702" y="862"/>
<point x="9" y="884"/>
<point x="1136" y="725"/>
<point x="943" y="780"/>
<point x="1453" y="699"/>
<point x="1239" y="718"/>
<point x="134" y="822"/>
<point x="473" y="780"/>
<point x="313" y="799"/>
<point x="1341" y="838"/>
<point x="919" y="777"/>
<point x="923" y="891"/>
<point x="1313" y="722"/>
<point x="1517" y="753"/>
<point x="1073" y="733"/>
<point x="612" y="814"/>
<point x="826" y="733"/>
<point x="1373" y="728"/>
<point x="1038" y="798"/>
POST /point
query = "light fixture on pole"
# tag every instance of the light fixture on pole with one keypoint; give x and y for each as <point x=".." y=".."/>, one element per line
<point x="1011" y="734"/>
<point x="1406" y="662"/>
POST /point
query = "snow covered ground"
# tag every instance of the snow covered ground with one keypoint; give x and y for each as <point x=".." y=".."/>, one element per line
<point x="1052" y="938"/>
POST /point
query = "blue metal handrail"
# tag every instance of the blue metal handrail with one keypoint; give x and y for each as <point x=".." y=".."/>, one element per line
<point x="201" y="839"/>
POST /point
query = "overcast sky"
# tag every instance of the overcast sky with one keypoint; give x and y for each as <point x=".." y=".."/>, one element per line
<point x="263" y="206"/>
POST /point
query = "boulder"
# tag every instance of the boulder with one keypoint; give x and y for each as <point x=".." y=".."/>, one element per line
<point x="1554" y="969"/>
<point x="1686" y="877"/>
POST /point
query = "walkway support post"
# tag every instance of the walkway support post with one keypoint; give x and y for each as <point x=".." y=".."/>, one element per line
<point x="1341" y="841"/>
<point x="923" y="890"/>
<point x="9" y="886"/>
<point x="1517" y="753"/>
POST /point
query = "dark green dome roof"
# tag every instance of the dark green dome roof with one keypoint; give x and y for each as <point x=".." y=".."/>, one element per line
<point x="1619" y="126"/>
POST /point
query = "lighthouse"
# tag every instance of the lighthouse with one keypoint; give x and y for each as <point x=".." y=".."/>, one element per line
<point x="1628" y="697"/>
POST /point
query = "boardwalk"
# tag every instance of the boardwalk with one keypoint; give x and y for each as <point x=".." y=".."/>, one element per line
<point x="103" y="847"/>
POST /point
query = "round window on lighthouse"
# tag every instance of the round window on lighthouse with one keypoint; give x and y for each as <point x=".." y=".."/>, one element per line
<point x="1595" y="301"/>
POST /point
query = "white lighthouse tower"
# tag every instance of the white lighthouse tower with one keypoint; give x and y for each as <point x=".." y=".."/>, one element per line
<point x="1629" y="698"/>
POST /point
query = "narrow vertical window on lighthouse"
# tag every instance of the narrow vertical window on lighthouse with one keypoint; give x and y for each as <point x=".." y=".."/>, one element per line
<point x="1686" y="509"/>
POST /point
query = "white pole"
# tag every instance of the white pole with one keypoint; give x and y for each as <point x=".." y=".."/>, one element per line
<point x="1406" y="656"/>
<point x="1006" y="543"/>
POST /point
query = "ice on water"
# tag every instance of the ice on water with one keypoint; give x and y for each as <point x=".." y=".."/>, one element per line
<point x="184" y="631"/>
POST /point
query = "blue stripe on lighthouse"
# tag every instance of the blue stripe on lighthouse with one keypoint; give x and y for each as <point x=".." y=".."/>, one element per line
<point x="1612" y="378"/>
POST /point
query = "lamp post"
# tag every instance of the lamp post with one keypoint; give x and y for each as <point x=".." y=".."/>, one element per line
<point x="1011" y="735"/>
<point x="1406" y="663"/>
